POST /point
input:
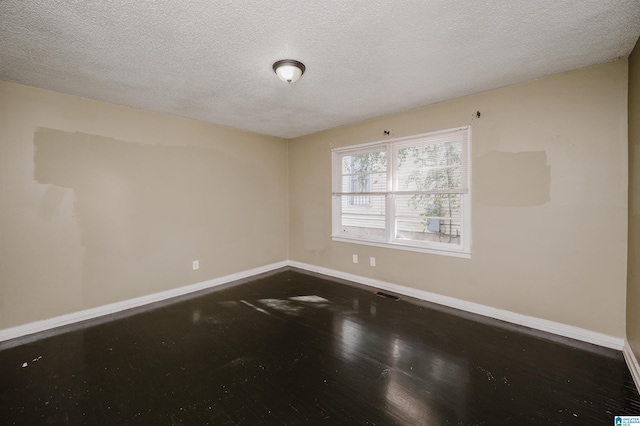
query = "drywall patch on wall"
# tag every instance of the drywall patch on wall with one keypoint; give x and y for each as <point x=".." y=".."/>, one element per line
<point x="51" y="201"/>
<point x="146" y="211"/>
<point x="512" y="179"/>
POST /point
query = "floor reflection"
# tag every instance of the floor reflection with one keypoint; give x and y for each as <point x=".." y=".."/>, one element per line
<point x="421" y="384"/>
<point x="352" y="338"/>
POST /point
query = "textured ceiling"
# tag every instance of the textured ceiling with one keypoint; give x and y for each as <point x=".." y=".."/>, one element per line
<point x="211" y="60"/>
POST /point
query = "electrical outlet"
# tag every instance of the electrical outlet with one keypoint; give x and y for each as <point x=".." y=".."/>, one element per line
<point x="196" y="265"/>
<point x="355" y="258"/>
<point x="372" y="261"/>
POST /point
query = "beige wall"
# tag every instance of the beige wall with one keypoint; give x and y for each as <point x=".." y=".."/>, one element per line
<point x="633" y="283"/>
<point x="557" y="250"/>
<point x="101" y="203"/>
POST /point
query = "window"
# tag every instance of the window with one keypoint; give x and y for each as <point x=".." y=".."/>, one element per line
<point x="358" y="182"/>
<point x="410" y="193"/>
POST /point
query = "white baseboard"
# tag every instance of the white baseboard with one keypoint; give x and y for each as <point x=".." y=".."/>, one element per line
<point x="512" y="317"/>
<point x="48" y="324"/>
<point x="632" y="363"/>
<point x="487" y="311"/>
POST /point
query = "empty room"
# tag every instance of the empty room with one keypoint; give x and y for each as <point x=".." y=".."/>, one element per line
<point x="291" y="213"/>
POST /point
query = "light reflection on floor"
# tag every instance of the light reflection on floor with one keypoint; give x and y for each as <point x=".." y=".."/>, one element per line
<point x="415" y="374"/>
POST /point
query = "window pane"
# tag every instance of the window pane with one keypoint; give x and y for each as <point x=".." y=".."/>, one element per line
<point x="364" y="182"/>
<point x="365" y="163"/>
<point x="429" y="167"/>
<point x="363" y="216"/>
<point x="426" y="218"/>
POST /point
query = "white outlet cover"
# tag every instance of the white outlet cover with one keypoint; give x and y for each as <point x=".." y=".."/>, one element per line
<point x="355" y="258"/>
<point x="372" y="261"/>
<point x="196" y="265"/>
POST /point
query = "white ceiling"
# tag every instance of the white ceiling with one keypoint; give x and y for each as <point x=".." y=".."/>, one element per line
<point x="211" y="60"/>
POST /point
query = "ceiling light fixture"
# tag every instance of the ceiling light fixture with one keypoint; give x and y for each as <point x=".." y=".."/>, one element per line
<point x="288" y="70"/>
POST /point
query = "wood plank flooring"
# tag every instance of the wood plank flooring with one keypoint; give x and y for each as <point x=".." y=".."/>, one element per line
<point x="293" y="348"/>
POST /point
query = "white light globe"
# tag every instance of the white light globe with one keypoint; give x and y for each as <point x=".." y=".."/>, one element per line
<point x="289" y="70"/>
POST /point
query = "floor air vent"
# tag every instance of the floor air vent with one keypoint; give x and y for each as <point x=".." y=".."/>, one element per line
<point x="387" y="295"/>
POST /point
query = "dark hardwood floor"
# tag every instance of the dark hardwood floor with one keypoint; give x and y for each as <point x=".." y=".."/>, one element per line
<point x="292" y="348"/>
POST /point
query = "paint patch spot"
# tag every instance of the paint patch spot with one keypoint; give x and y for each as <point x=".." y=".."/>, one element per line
<point x="109" y="178"/>
<point x="512" y="179"/>
<point x="52" y="201"/>
<point x="25" y="365"/>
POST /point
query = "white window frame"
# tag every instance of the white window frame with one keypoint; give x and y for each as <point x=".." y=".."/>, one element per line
<point x="391" y="147"/>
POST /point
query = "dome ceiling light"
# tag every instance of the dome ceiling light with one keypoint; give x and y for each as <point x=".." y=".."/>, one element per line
<point x="289" y="70"/>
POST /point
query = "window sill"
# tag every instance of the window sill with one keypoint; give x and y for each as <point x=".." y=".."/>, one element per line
<point x="399" y="246"/>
